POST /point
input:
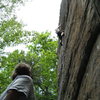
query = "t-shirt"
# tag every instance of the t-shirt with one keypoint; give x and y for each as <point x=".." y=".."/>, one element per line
<point x="22" y="83"/>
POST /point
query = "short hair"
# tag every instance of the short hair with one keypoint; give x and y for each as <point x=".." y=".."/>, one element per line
<point x="22" y="69"/>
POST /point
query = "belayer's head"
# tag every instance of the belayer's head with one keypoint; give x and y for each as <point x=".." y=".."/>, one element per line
<point x="22" y="69"/>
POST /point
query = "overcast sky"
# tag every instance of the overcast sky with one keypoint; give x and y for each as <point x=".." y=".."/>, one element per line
<point x="40" y="15"/>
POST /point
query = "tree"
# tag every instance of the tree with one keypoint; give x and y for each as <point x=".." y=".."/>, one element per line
<point x="79" y="56"/>
<point x="43" y="52"/>
<point x="10" y="29"/>
<point x="41" y="55"/>
<point x="7" y="66"/>
<point x="7" y="8"/>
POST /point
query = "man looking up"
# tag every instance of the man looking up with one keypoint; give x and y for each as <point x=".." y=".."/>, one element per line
<point x="21" y="88"/>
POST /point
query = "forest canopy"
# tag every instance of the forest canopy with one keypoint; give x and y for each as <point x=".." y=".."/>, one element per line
<point x="39" y="52"/>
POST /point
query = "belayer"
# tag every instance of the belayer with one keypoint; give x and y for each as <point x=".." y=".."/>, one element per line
<point x="21" y="88"/>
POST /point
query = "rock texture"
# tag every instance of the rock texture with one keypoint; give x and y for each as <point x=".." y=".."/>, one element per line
<point x="79" y="56"/>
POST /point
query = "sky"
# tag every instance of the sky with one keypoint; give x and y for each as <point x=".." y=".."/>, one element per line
<point x="40" y="15"/>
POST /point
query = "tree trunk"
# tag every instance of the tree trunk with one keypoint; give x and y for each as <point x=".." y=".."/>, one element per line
<point x="79" y="55"/>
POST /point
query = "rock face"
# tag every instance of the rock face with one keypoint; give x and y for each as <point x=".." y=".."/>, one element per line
<point x="79" y="56"/>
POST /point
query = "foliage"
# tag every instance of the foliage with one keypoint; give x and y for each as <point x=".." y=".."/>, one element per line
<point x="41" y="55"/>
<point x="11" y="34"/>
<point x="45" y="58"/>
<point x="10" y="30"/>
<point x="7" y="7"/>
<point x="7" y="65"/>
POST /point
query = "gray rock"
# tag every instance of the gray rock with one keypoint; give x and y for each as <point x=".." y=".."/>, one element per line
<point x="79" y="56"/>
